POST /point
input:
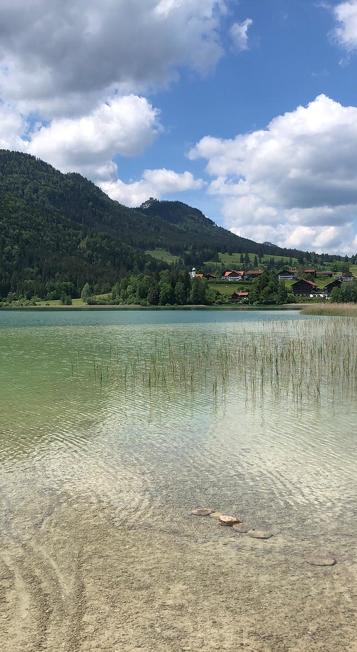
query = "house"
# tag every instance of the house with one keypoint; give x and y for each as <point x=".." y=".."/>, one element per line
<point x="320" y="293"/>
<point x="330" y="286"/>
<point x="239" y="296"/>
<point x="310" y="270"/>
<point x="325" y="274"/>
<point x="286" y="275"/>
<point x="347" y="277"/>
<point x="233" y="275"/>
<point x="302" y="287"/>
<point x="255" y="273"/>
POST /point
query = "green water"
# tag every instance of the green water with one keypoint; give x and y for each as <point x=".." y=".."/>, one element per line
<point x="114" y="425"/>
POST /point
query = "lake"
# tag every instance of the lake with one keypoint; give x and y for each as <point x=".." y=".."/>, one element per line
<point x="114" y="425"/>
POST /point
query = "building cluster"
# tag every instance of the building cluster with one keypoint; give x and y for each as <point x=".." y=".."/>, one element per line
<point x="241" y="275"/>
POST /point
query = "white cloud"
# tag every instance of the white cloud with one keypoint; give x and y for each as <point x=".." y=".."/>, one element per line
<point x="346" y="30"/>
<point x="63" y="56"/>
<point x="239" y="34"/>
<point x="154" y="183"/>
<point x="295" y="182"/>
<point x="87" y="144"/>
<point x="12" y="128"/>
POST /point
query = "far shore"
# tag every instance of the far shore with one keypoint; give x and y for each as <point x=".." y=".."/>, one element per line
<point x="81" y="307"/>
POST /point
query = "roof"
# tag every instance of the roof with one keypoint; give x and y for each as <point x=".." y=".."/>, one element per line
<point x="255" y="272"/>
<point x="242" y="294"/>
<point x="310" y="270"/>
<point x="302" y="280"/>
<point x="234" y="272"/>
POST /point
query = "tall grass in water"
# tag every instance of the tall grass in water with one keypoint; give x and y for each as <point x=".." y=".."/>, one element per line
<point x="331" y="309"/>
<point x="312" y="360"/>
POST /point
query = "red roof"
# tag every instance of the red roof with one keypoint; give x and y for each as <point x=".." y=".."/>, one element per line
<point x="241" y="294"/>
<point x="233" y="272"/>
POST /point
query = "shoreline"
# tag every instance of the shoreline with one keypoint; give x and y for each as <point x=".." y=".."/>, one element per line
<point x="232" y="307"/>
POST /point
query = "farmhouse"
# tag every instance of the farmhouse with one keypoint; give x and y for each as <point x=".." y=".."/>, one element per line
<point x="347" y="277"/>
<point x="239" y="296"/>
<point x="325" y="274"/>
<point x="310" y="270"/>
<point x="233" y="275"/>
<point x="254" y="273"/>
<point x="330" y="286"/>
<point x="286" y="275"/>
<point x="303" y="287"/>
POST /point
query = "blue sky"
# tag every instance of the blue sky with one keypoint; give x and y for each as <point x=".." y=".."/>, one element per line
<point x="244" y="108"/>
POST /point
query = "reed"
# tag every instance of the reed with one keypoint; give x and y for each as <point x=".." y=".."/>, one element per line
<point x="312" y="359"/>
<point x="331" y="309"/>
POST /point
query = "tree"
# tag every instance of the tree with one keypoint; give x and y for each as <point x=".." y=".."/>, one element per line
<point x="153" y="294"/>
<point x="66" y="300"/>
<point x="336" y="295"/>
<point x="181" y="297"/>
<point x="166" y="293"/>
<point x="86" y="293"/>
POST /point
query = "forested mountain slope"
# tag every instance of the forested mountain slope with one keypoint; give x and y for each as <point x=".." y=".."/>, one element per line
<point x="58" y="227"/>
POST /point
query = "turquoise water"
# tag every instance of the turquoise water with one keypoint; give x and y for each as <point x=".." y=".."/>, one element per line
<point x="115" y="424"/>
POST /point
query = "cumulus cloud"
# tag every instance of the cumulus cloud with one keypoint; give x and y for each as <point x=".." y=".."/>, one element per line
<point x="87" y="144"/>
<point x="154" y="183"/>
<point x="346" y="30"/>
<point x="12" y="128"/>
<point x="240" y="34"/>
<point x="294" y="182"/>
<point x="63" y="56"/>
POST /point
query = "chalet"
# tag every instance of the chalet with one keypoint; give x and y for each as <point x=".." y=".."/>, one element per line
<point x="239" y="296"/>
<point x="286" y="275"/>
<point x="347" y="277"/>
<point x="310" y="270"/>
<point x="330" y="286"/>
<point x="254" y="273"/>
<point x="302" y="287"/>
<point x="233" y="275"/>
<point x="325" y="274"/>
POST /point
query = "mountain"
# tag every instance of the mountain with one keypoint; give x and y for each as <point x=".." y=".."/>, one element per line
<point x="60" y="228"/>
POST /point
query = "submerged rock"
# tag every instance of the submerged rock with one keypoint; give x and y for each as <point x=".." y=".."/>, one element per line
<point x="321" y="559"/>
<point x="260" y="534"/>
<point x="241" y="528"/>
<point x="228" y="520"/>
<point x="202" y="511"/>
<point x="216" y="515"/>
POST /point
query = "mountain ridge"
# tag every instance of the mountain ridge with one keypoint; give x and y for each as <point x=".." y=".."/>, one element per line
<point x="62" y="228"/>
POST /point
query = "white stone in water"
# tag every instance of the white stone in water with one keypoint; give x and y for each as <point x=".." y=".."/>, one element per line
<point x="241" y="528"/>
<point x="321" y="560"/>
<point x="216" y="515"/>
<point x="202" y="511"/>
<point x="260" y="534"/>
<point x="228" y="520"/>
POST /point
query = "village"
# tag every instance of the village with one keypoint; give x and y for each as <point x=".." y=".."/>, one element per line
<point x="308" y="283"/>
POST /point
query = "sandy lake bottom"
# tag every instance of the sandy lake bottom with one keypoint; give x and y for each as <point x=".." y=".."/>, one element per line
<point x="114" y="427"/>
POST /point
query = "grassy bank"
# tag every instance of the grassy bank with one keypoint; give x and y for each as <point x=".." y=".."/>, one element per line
<point x="331" y="309"/>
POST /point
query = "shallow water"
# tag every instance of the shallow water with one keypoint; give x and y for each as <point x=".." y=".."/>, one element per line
<point x="114" y="425"/>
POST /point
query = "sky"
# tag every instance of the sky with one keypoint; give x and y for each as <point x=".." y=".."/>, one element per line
<point x="246" y="109"/>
